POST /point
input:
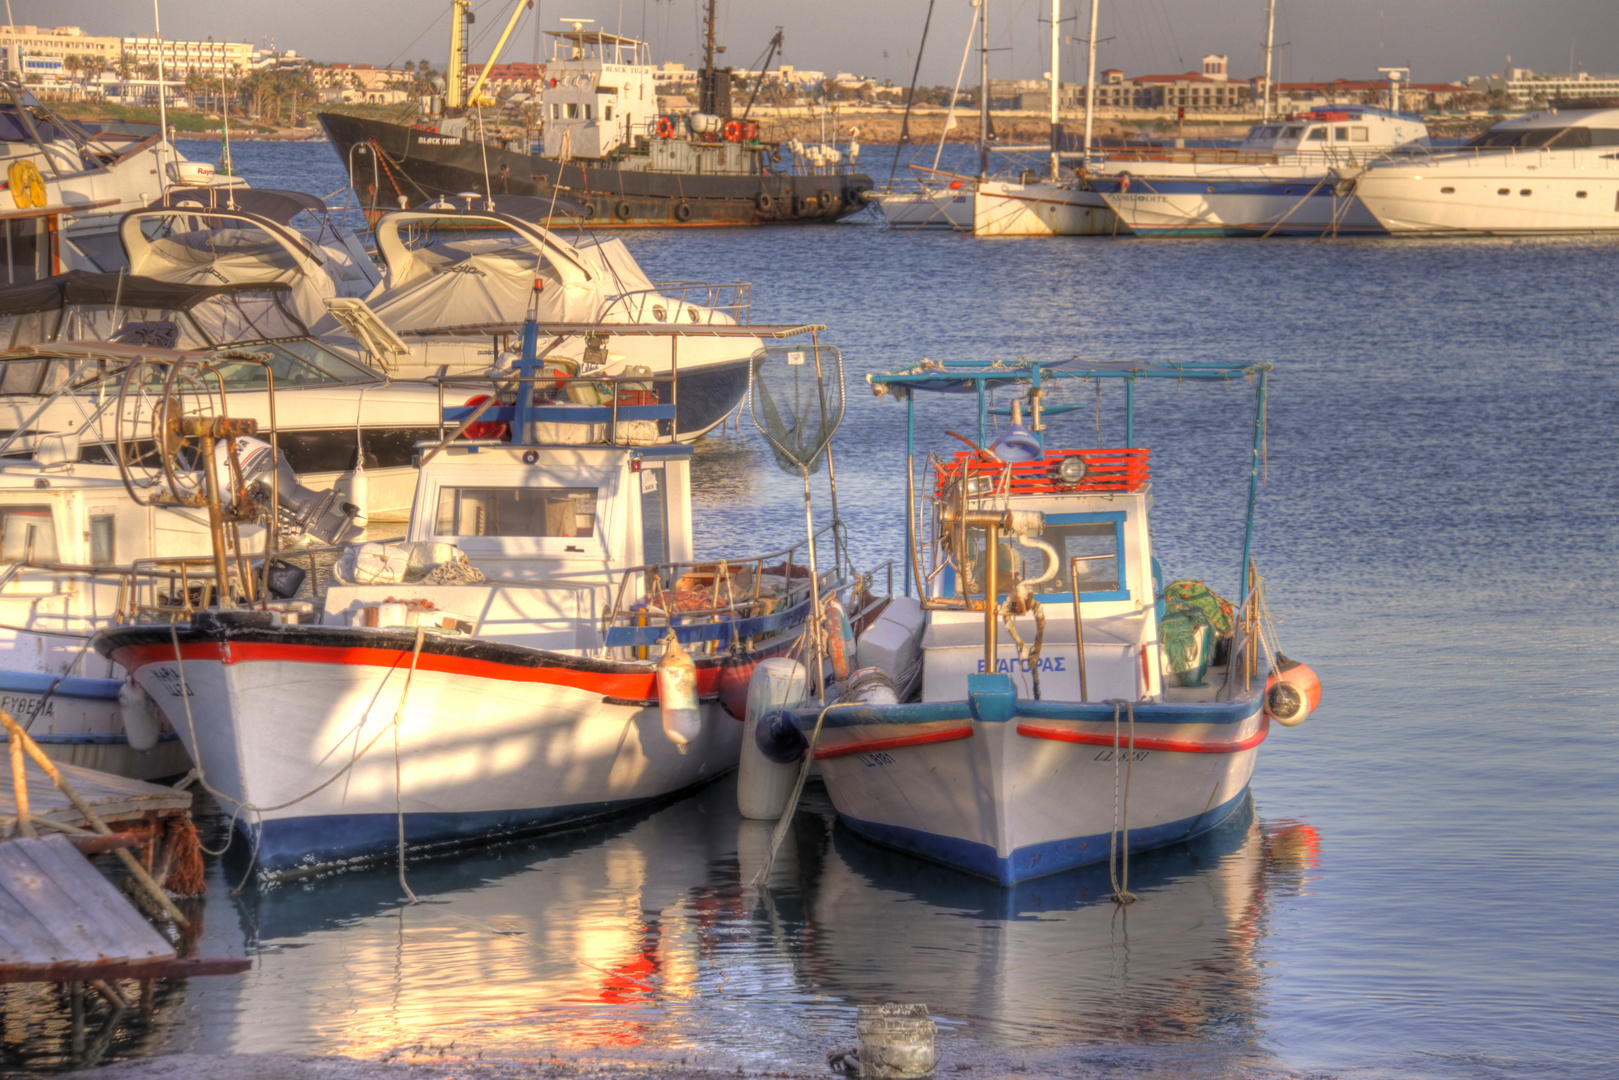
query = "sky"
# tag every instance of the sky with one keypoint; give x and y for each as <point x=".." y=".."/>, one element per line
<point x="1439" y="40"/>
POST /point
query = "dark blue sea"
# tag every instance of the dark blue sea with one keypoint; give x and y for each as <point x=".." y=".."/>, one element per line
<point x="1426" y="884"/>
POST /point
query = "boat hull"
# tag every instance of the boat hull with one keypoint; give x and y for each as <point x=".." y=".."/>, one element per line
<point x="78" y="721"/>
<point x="433" y="165"/>
<point x="1035" y="794"/>
<point x="1480" y="197"/>
<point x="1041" y="209"/>
<point x="1306" y="207"/>
<point x="492" y="739"/>
<point x="946" y="209"/>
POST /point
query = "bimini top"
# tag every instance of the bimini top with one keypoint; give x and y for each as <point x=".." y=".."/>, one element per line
<point x="969" y="376"/>
<point x="277" y="205"/>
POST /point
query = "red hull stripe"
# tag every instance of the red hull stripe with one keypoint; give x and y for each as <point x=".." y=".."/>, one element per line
<point x="1178" y="746"/>
<point x="606" y="683"/>
<point x="869" y="745"/>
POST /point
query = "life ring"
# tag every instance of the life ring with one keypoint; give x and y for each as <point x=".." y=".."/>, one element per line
<point x="623" y="210"/>
<point x="683" y="211"/>
<point x="764" y="202"/>
<point x="826" y="200"/>
<point x="27" y="186"/>
<point x="733" y="131"/>
<point x="666" y="128"/>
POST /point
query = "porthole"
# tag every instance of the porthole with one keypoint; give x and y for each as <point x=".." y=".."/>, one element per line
<point x="1526" y="191"/>
<point x="1579" y="194"/>
<point x="1503" y="191"/>
<point x="1209" y="190"/>
<point x="1447" y="191"/>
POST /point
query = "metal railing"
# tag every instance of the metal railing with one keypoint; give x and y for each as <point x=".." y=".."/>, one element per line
<point x="682" y="301"/>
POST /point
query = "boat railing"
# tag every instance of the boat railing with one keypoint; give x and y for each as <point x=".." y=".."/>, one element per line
<point x="696" y="302"/>
<point x="717" y="601"/>
<point x="623" y="403"/>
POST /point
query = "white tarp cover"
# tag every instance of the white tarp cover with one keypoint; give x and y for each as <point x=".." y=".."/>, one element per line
<point x="476" y="282"/>
<point x="229" y="256"/>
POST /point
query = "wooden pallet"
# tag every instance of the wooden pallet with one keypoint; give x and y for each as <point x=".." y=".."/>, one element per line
<point x="56" y="909"/>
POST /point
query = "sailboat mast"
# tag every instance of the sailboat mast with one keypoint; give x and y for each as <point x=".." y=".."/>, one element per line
<point x="1270" y="44"/>
<point x="1056" y="82"/>
<point x="983" y="91"/>
<point x="162" y="106"/>
<point x="1090" y="83"/>
<point x="707" y="93"/>
<point x="455" y="77"/>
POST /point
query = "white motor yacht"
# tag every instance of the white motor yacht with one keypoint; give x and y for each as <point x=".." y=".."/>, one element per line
<point x="70" y="182"/>
<point x="1284" y="179"/>
<point x="1554" y="171"/>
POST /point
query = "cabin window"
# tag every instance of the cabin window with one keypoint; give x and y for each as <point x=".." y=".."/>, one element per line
<point x="573" y="110"/>
<point x="1447" y="191"/>
<point x="1318" y="134"/>
<point x="1579" y="194"/>
<point x="1360" y="134"/>
<point x="654" y="516"/>
<point x="27" y="532"/>
<point x="103" y="540"/>
<point x="1527" y="191"/>
<point x="588" y="110"/>
<point x="1341" y="134"/>
<point x="1096" y="537"/>
<point x="1503" y="191"/>
<point x="516" y="511"/>
<point x="556" y="111"/>
<point x="607" y="112"/>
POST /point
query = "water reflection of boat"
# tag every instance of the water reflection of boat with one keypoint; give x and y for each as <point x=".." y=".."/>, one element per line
<point x="1052" y="961"/>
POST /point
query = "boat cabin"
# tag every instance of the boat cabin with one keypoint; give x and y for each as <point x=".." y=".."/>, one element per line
<point x="1093" y="505"/>
<point x="1553" y="129"/>
<point x="599" y="94"/>
<point x="1338" y="130"/>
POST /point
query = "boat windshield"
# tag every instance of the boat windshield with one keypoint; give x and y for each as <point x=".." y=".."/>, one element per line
<point x="1569" y="138"/>
<point x="295" y="362"/>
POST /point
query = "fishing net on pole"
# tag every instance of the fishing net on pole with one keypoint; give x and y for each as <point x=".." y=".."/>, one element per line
<point x="797" y="398"/>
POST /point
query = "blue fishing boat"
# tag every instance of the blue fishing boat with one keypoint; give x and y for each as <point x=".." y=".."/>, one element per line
<point x="1042" y="698"/>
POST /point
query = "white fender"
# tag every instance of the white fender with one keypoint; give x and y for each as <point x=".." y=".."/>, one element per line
<point x="142" y="722"/>
<point x="762" y="786"/>
<point x="677" y="695"/>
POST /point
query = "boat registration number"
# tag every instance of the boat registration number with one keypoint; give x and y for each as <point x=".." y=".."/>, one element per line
<point x="879" y="758"/>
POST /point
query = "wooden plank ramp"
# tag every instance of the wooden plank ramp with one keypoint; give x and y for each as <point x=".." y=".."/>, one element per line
<point x="113" y="798"/>
<point x="57" y="909"/>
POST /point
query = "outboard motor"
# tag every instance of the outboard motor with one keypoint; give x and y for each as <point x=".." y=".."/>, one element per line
<point x="318" y="514"/>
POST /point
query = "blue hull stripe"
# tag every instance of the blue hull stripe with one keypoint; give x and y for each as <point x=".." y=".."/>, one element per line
<point x="1036" y="860"/>
<point x="74" y="686"/>
<point x="86" y="740"/>
<point x="1282" y="188"/>
<point x="294" y="846"/>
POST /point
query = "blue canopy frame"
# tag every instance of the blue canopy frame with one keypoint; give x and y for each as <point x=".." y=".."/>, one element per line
<point x="975" y="377"/>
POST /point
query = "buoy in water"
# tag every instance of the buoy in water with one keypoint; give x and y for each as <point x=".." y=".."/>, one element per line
<point x="1292" y="693"/>
<point x="677" y="694"/>
<point x="764" y="783"/>
<point x="142" y="722"/>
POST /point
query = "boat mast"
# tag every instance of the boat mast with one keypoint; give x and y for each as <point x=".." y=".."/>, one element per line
<point x="1270" y="44"/>
<point x="983" y="91"/>
<point x="708" y="93"/>
<point x="1090" y="83"/>
<point x="162" y="107"/>
<point x="460" y="14"/>
<point x="1056" y="82"/>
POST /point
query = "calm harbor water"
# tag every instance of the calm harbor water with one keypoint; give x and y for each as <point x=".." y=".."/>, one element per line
<point x="1424" y="885"/>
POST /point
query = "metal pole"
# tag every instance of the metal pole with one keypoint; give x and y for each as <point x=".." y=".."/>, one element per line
<point x="1270" y="43"/>
<point x="1056" y="83"/>
<point x="1079" y="627"/>
<point x="1253" y="489"/>
<point x="991" y="587"/>
<point x="216" y="526"/>
<point x="162" y="108"/>
<point x="831" y="470"/>
<point x="817" y="623"/>
<point x="1090" y="83"/>
<point x="983" y="92"/>
<point x="910" y="495"/>
<point x="983" y="429"/>
<point x="1129" y="413"/>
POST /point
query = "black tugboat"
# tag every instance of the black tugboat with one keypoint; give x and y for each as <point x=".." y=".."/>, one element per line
<point x="608" y="153"/>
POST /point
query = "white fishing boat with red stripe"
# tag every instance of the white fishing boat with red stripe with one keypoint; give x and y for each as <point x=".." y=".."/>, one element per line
<point x="1087" y="709"/>
<point x="528" y="681"/>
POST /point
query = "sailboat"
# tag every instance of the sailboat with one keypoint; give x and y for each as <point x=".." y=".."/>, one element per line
<point x="1053" y="206"/>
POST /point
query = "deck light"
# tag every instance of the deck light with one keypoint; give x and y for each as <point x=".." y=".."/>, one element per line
<point x="1070" y="471"/>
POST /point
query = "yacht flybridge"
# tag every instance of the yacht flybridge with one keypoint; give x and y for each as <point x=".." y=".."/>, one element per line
<point x="606" y="146"/>
<point x="1554" y="171"/>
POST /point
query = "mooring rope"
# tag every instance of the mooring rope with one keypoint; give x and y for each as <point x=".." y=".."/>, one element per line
<point x="399" y="804"/>
<point x="1121" y="889"/>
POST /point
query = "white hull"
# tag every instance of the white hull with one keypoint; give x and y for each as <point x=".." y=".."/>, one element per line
<point x="1303" y="208"/>
<point x="929" y="208"/>
<point x="478" y="754"/>
<point x="999" y="801"/>
<point x="1496" y="194"/>
<point x="1041" y="209"/>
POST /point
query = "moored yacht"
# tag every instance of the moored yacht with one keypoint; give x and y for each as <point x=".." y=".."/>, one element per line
<point x="1554" y="171"/>
<point x="1284" y="179"/>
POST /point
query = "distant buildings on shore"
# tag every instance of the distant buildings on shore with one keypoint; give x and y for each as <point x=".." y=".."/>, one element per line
<point x="65" y="60"/>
